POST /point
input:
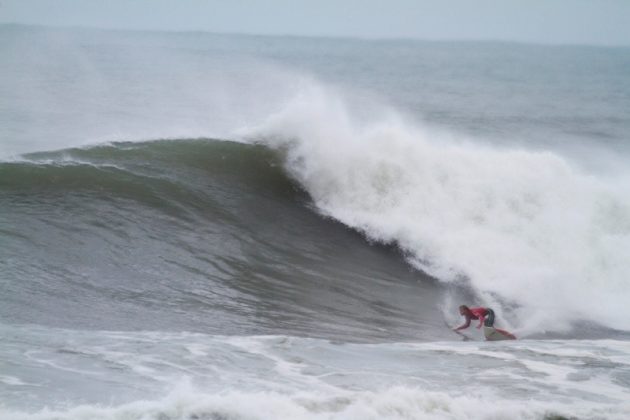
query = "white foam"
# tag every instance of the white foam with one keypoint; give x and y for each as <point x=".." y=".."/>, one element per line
<point x="526" y="226"/>
<point x="392" y="403"/>
<point x="255" y="377"/>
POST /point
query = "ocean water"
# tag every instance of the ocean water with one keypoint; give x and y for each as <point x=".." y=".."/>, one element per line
<point x="204" y="226"/>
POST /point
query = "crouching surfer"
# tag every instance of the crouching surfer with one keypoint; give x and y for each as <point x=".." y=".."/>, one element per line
<point x="486" y="318"/>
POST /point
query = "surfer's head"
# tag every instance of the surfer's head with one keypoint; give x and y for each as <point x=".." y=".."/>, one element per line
<point x="463" y="310"/>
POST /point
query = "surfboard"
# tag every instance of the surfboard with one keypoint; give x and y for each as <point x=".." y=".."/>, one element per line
<point x="492" y="334"/>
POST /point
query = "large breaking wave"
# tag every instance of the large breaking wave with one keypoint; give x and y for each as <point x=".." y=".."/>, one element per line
<point x="538" y="237"/>
<point x="530" y="231"/>
<point x="532" y="234"/>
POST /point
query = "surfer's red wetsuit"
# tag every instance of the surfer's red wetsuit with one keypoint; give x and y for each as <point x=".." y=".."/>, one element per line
<point x="480" y="314"/>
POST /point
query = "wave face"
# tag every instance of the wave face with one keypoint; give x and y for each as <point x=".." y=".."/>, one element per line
<point x="197" y="235"/>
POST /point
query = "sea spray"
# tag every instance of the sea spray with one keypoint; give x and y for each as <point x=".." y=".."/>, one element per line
<point x="520" y="226"/>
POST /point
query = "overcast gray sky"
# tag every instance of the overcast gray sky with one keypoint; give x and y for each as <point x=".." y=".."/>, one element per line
<point x="542" y="21"/>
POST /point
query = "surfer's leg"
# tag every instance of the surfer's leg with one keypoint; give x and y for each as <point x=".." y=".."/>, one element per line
<point x="489" y="322"/>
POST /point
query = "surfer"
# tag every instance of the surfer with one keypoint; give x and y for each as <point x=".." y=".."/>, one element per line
<point x="485" y="317"/>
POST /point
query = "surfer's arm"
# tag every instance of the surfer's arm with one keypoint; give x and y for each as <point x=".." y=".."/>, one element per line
<point x="481" y="319"/>
<point x="463" y="326"/>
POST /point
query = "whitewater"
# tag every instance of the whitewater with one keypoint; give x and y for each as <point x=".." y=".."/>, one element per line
<point x="203" y="226"/>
